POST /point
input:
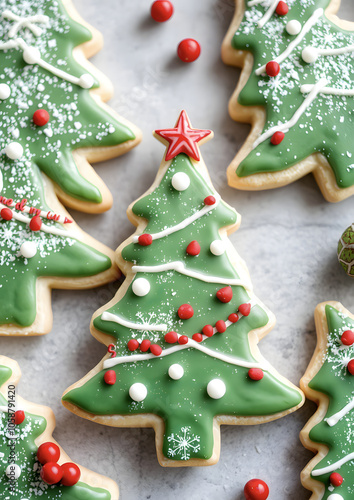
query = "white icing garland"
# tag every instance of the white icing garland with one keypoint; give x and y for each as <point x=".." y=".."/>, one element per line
<point x="33" y="210"/>
<point x="268" y="14"/>
<point x="107" y="316"/>
<point x="25" y="22"/>
<point x="304" y="89"/>
<point x="334" y="419"/>
<point x="334" y="466"/>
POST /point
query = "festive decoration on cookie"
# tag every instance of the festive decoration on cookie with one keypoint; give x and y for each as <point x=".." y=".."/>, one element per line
<point x="32" y="464"/>
<point x="298" y="81"/>
<point x="345" y="250"/>
<point x="185" y="347"/>
<point x="329" y="382"/>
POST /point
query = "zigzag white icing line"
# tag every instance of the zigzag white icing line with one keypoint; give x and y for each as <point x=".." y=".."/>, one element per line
<point x="107" y="316"/>
<point x="334" y="466"/>
<point x="334" y="419"/>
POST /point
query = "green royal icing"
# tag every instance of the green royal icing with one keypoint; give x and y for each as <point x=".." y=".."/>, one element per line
<point x="184" y="404"/>
<point x="29" y="485"/>
<point x="334" y="380"/>
<point x="327" y="126"/>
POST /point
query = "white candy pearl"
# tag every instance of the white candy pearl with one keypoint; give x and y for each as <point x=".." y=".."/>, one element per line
<point x="309" y="55"/>
<point x="181" y="181"/>
<point x="138" y="392"/>
<point x="5" y="91"/>
<point x="293" y="27"/>
<point x="217" y="247"/>
<point x="335" y="496"/>
<point x="176" y="371"/>
<point x="141" y="287"/>
<point x="86" y="81"/>
<point x="28" y="249"/>
<point x="216" y="388"/>
<point x="14" y="150"/>
<point x="31" y="55"/>
<point x="13" y="471"/>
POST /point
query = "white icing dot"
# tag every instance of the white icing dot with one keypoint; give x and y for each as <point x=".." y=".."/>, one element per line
<point x="141" y="287"/>
<point x="335" y="496"/>
<point x="28" y="249"/>
<point x="176" y="371"/>
<point x="309" y="55"/>
<point x="217" y="247"/>
<point x="31" y="55"/>
<point x="5" y="91"/>
<point x="216" y="388"/>
<point x="293" y="27"/>
<point x="181" y="181"/>
<point x="14" y="150"/>
<point x="86" y="81"/>
<point x="13" y="471"/>
<point x="138" y="392"/>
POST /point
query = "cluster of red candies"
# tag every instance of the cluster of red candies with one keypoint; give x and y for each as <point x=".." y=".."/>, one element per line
<point x="66" y="474"/>
<point x="347" y="339"/>
<point x="188" y="49"/>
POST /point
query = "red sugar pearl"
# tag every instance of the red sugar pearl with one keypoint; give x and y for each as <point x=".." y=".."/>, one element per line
<point x="255" y="373"/>
<point x="156" y="349"/>
<point x="188" y="50"/>
<point x="220" y="326"/>
<point x="282" y="8"/>
<point x="245" y="309"/>
<point x="183" y="339"/>
<point x="6" y="213"/>
<point x="71" y="474"/>
<point x="347" y="337"/>
<point x="256" y="489"/>
<point x="185" y="311"/>
<point x="210" y="200"/>
<point x="19" y="417"/>
<point x="110" y="377"/>
<point x="335" y="479"/>
<point x="350" y="367"/>
<point x="51" y="473"/>
<point x="145" y="345"/>
<point x="272" y="68"/>
<point x="208" y="330"/>
<point x="35" y="223"/>
<point x="161" y="10"/>
<point x="171" y="337"/>
<point x="233" y="318"/>
<point x="48" y="452"/>
<point x="193" y="248"/>
<point x="198" y="337"/>
<point x="40" y="117"/>
<point x="277" y="138"/>
<point x="145" y="240"/>
<point x="132" y="345"/>
<point x="224" y="294"/>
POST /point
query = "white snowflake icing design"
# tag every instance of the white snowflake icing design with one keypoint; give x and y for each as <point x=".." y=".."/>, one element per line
<point x="183" y="444"/>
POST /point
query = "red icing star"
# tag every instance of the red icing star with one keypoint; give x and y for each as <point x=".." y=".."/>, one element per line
<point x="183" y="138"/>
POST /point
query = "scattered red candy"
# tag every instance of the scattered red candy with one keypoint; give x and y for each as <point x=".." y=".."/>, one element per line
<point x="145" y="240"/>
<point x="156" y="349"/>
<point x="171" y="337"/>
<point x="347" y="337"/>
<point x="198" y="337"/>
<point x="183" y="339"/>
<point x="188" y="50"/>
<point x="220" y="326"/>
<point x="208" y="330"/>
<point x="335" y="479"/>
<point x="350" y="367"/>
<point x="40" y="117"/>
<point x="71" y="474"/>
<point x="245" y="309"/>
<point x="272" y="68"/>
<point x="145" y="345"/>
<point x="233" y="318"/>
<point x="19" y="417"/>
<point x="185" y="311"/>
<point x="51" y="473"/>
<point x="210" y="200"/>
<point x="256" y="489"/>
<point x="277" y="138"/>
<point x="132" y="345"/>
<point x="161" y="10"/>
<point x="255" y="373"/>
<point x="225" y="294"/>
<point x="110" y="377"/>
<point x="193" y="248"/>
<point x="48" y="452"/>
<point x="35" y="223"/>
<point x="6" y="213"/>
<point x="282" y="8"/>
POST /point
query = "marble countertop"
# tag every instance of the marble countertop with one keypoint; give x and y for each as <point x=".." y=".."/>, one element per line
<point x="288" y="238"/>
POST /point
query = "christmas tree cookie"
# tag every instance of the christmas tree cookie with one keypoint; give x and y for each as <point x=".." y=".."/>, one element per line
<point x="329" y="381"/>
<point x="345" y="250"/>
<point x="297" y="91"/>
<point x="182" y="331"/>
<point x="32" y="465"/>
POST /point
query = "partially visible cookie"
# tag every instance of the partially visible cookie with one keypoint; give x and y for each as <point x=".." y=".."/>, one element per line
<point x="345" y="250"/>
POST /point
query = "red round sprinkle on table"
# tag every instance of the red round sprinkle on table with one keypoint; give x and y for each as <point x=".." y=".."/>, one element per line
<point x="48" y="452"/>
<point x="40" y="117"/>
<point x="51" y="473"/>
<point x="183" y="339"/>
<point x="19" y="417"/>
<point x="6" y="213"/>
<point x="71" y="474"/>
<point x="193" y="248"/>
<point x="347" y="337"/>
<point x="188" y="50"/>
<point x="233" y="318"/>
<point x="198" y="337"/>
<point x="245" y="309"/>
<point x="256" y="489"/>
<point x="145" y="345"/>
<point x="277" y="138"/>
<point x="255" y="373"/>
<point x="225" y="294"/>
<point x="282" y="8"/>
<point x="220" y="326"/>
<point x="110" y="377"/>
<point x="145" y="240"/>
<point x="155" y="349"/>
<point x="335" y="479"/>
<point x="35" y="223"/>
<point x="185" y="311"/>
<point x="171" y="337"/>
<point x="272" y="68"/>
<point x="210" y="200"/>
<point x="208" y="330"/>
<point x="161" y="10"/>
<point x="350" y="367"/>
<point x="132" y="345"/>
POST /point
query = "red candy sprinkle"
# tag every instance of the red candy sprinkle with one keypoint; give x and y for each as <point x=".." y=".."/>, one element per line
<point x="51" y="473"/>
<point x="161" y="10"/>
<point x="245" y="309"/>
<point x="233" y="318"/>
<point x="198" y="337"/>
<point x="145" y="240"/>
<point x="185" y="311"/>
<point x="40" y="117"/>
<point x="110" y="377"/>
<point x="220" y="326"/>
<point x="210" y="200"/>
<point x="111" y="350"/>
<point x="19" y="417"/>
<point x="145" y="345"/>
<point x="156" y="349"/>
<point x="171" y="337"/>
<point x="277" y="138"/>
<point x="347" y="337"/>
<point x="132" y="345"/>
<point x="335" y="479"/>
<point x="282" y="9"/>
<point x="48" y="452"/>
<point x="224" y="294"/>
<point x="208" y="330"/>
<point x="193" y="248"/>
<point x="255" y="373"/>
<point x="272" y="68"/>
<point x="71" y="474"/>
<point x="256" y="489"/>
<point x="6" y="213"/>
<point x="188" y="50"/>
<point x="350" y="367"/>
<point x="35" y="223"/>
<point x="183" y="339"/>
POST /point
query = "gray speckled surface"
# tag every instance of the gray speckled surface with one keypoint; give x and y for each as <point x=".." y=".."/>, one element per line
<point x="288" y="238"/>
